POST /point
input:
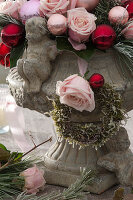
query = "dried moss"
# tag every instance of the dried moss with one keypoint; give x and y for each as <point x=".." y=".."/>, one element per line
<point x="95" y="134"/>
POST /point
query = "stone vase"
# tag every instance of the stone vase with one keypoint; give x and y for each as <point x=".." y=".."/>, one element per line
<point x="64" y="162"/>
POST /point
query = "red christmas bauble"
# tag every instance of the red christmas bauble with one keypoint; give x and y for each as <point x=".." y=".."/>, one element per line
<point x="12" y="34"/>
<point x="129" y="6"/>
<point x="5" y="55"/>
<point x="96" y="80"/>
<point x="103" y="37"/>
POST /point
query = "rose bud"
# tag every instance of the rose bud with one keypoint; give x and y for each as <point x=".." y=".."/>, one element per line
<point x="118" y="15"/>
<point x="57" y="24"/>
<point x="103" y="37"/>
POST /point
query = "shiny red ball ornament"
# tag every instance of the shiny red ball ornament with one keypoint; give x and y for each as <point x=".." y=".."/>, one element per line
<point x="129" y="6"/>
<point x="12" y="34"/>
<point x="96" y="80"/>
<point x="103" y="37"/>
<point x="5" y="55"/>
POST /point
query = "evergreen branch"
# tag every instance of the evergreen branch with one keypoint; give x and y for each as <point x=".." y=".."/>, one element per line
<point x="12" y="159"/>
<point x="7" y="19"/>
<point x="125" y="53"/>
<point x="10" y="181"/>
<point x="102" y="10"/>
<point x="73" y="192"/>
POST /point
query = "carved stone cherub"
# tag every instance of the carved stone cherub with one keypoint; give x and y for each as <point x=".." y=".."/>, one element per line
<point x="120" y="158"/>
<point x="35" y="66"/>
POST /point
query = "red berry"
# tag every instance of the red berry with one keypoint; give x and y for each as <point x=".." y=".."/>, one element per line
<point x="96" y="80"/>
<point x="103" y="37"/>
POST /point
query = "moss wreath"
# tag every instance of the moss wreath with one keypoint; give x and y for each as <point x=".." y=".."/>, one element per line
<point x="93" y="134"/>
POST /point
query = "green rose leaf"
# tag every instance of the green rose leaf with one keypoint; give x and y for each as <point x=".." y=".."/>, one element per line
<point x="4" y="155"/>
<point x="3" y="147"/>
<point x="16" y="155"/>
<point x="16" y="53"/>
<point x="64" y="44"/>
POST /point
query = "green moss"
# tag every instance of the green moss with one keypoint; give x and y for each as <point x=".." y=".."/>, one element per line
<point x="95" y="134"/>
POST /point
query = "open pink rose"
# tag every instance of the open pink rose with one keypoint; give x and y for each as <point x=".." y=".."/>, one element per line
<point x="81" y="24"/>
<point x="34" y="180"/>
<point x="49" y="7"/>
<point x="11" y="8"/>
<point x="75" y="92"/>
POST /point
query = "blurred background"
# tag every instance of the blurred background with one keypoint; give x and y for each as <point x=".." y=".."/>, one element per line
<point x="3" y="74"/>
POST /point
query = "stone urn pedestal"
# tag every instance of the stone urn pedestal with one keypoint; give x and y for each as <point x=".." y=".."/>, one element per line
<point x="64" y="162"/>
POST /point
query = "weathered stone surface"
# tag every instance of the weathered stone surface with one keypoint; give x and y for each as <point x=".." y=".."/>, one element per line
<point x="128" y="197"/>
<point x="120" y="158"/>
<point x="35" y="66"/>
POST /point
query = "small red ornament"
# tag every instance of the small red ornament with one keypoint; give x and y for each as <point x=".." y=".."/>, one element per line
<point x="5" y="55"/>
<point x="129" y="6"/>
<point x="96" y="80"/>
<point x="12" y="34"/>
<point x="103" y="37"/>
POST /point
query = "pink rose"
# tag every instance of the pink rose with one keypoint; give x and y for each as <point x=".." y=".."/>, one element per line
<point x="49" y="7"/>
<point x="128" y="31"/>
<point x="34" y="180"/>
<point x="81" y="24"/>
<point x="11" y="8"/>
<point x="75" y="92"/>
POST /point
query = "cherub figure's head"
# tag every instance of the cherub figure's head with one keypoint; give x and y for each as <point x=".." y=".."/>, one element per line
<point x="35" y="28"/>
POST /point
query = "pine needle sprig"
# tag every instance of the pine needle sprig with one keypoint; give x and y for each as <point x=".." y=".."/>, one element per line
<point x="7" y="19"/>
<point x="125" y="53"/>
<point x="102" y="10"/>
<point x="73" y="192"/>
<point x="10" y="182"/>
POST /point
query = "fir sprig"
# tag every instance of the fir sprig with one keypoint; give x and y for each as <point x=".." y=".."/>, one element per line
<point x="125" y="54"/>
<point x="7" y="19"/>
<point x="10" y="182"/>
<point x="102" y="10"/>
<point x="73" y="192"/>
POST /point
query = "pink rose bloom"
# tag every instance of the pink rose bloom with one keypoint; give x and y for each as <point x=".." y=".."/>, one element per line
<point x="49" y="7"/>
<point x="11" y="8"/>
<point x="128" y="31"/>
<point x="34" y="180"/>
<point x="81" y="24"/>
<point x="75" y="92"/>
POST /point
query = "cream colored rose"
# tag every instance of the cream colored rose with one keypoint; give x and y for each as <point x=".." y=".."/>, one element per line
<point x="81" y="24"/>
<point x="76" y="93"/>
<point x="49" y="7"/>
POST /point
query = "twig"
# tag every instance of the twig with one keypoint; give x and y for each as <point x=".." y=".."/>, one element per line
<point x="36" y="146"/>
<point x="49" y="140"/>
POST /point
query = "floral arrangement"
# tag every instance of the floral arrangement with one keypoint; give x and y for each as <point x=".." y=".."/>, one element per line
<point x="77" y="25"/>
<point x="82" y="27"/>
<point x="76" y="93"/>
<point x="17" y="175"/>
